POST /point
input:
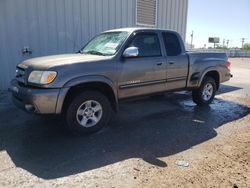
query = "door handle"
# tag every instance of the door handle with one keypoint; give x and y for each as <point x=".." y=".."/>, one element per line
<point x="159" y="63"/>
<point x="171" y="62"/>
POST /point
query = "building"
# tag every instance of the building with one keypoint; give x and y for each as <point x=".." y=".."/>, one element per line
<point x="31" y="28"/>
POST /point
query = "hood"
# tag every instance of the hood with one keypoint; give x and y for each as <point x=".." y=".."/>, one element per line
<point x="46" y="62"/>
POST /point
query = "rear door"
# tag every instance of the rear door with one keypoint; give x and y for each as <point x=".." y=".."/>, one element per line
<point x="177" y="62"/>
<point x="147" y="72"/>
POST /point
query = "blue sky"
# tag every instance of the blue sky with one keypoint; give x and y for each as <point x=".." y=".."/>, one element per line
<point x="227" y="19"/>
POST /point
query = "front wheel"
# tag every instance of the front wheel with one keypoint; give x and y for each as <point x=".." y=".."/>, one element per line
<point x="88" y="112"/>
<point x="204" y="95"/>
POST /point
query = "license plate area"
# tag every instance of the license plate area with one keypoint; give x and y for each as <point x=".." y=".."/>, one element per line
<point x="15" y="89"/>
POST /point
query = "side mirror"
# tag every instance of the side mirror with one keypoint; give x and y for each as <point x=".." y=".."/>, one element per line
<point x="131" y="52"/>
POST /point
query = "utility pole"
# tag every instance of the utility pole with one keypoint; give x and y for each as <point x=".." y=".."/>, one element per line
<point x="223" y="42"/>
<point x="192" y="36"/>
<point x="242" y="42"/>
<point x="227" y="43"/>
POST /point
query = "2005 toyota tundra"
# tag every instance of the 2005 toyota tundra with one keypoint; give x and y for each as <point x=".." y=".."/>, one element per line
<point x="86" y="87"/>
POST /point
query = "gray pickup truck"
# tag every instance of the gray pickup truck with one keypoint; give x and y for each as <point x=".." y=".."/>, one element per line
<point x="86" y="87"/>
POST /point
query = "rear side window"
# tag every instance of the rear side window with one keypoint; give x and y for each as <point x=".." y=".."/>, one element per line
<point x="172" y="44"/>
<point x="148" y="45"/>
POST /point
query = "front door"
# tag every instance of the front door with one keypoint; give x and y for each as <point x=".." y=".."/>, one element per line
<point x="147" y="72"/>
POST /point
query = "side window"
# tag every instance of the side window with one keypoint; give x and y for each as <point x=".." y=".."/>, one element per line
<point x="172" y="44"/>
<point x="148" y="45"/>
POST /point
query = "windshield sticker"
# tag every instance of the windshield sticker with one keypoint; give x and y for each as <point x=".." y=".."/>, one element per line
<point x="111" y="45"/>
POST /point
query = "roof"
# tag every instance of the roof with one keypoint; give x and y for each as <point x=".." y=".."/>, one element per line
<point x="132" y="29"/>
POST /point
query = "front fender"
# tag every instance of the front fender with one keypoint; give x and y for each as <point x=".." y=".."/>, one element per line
<point x="91" y="78"/>
<point x="86" y="79"/>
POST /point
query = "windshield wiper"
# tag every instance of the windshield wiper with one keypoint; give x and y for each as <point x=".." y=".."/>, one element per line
<point x="93" y="52"/>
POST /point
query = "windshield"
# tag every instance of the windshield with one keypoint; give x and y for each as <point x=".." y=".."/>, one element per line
<point x="105" y="44"/>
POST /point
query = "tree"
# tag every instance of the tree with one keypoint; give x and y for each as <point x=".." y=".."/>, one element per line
<point x="221" y="47"/>
<point x="246" y="46"/>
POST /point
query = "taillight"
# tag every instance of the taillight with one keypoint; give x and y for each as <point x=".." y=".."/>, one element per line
<point x="228" y="64"/>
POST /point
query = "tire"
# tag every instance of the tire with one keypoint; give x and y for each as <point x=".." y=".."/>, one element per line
<point x="83" y="114"/>
<point x="207" y="97"/>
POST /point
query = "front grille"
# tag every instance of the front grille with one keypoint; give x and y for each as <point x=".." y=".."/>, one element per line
<point x="20" y="75"/>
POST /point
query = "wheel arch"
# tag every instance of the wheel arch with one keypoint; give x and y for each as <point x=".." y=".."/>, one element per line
<point x="97" y="83"/>
<point x="213" y="73"/>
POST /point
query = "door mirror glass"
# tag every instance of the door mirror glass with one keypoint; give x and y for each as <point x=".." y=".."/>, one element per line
<point x="131" y="52"/>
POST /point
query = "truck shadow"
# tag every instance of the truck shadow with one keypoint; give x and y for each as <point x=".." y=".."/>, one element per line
<point x="147" y="129"/>
<point x="226" y="88"/>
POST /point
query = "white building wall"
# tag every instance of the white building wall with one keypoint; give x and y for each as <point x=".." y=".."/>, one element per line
<point x="64" y="26"/>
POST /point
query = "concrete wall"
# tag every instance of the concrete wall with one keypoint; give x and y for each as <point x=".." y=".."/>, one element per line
<point x="63" y="26"/>
<point x="229" y="52"/>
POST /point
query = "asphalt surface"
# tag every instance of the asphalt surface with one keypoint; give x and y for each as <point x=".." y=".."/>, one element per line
<point x="37" y="150"/>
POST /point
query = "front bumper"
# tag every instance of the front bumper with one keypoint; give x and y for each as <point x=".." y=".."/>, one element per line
<point x="34" y="100"/>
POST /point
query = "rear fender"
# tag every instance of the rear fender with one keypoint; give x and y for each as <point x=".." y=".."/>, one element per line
<point x="206" y="71"/>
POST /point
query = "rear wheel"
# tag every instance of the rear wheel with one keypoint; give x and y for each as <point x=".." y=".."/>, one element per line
<point x="88" y="112"/>
<point x="204" y="95"/>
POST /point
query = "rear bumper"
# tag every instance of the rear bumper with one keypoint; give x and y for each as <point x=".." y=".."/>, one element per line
<point x="226" y="77"/>
<point x="35" y="100"/>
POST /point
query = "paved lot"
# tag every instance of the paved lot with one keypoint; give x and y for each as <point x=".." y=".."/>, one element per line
<point x="141" y="145"/>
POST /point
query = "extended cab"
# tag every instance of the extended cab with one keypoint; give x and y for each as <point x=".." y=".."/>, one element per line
<point x="86" y="87"/>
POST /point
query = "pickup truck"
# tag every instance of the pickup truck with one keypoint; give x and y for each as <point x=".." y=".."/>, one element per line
<point x="86" y="87"/>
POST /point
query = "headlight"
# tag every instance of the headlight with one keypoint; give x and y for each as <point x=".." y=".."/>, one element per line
<point x="42" y="77"/>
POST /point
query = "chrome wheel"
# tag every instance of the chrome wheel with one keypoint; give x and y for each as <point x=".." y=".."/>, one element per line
<point x="207" y="92"/>
<point x="89" y="113"/>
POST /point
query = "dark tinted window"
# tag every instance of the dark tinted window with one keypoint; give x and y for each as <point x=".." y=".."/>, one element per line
<point x="172" y="44"/>
<point x="148" y="45"/>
